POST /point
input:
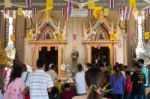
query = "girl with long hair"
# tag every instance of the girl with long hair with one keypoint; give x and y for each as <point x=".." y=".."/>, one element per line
<point x="15" y="86"/>
<point x="117" y="82"/>
<point x="94" y="81"/>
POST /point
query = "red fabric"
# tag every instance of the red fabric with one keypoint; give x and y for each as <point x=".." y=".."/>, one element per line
<point x="68" y="94"/>
<point x="128" y="87"/>
<point x="27" y="96"/>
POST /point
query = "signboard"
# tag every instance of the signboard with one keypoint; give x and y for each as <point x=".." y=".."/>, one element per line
<point x="79" y="13"/>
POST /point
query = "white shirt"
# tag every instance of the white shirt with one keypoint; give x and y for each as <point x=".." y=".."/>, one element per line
<point x="53" y="75"/>
<point x="24" y="76"/>
<point x="80" y="82"/>
<point x="38" y="83"/>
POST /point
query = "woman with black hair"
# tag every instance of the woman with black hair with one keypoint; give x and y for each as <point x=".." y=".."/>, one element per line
<point x="15" y="86"/>
<point x="94" y="81"/>
<point x="117" y="82"/>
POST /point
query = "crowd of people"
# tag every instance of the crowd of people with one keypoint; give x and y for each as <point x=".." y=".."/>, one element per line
<point x="94" y="82"/>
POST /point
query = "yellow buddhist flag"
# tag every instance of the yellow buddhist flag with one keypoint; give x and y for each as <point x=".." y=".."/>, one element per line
<point x="20" y="11"/>
<point x="146" y="35"/>
<point x="29" y="37"/>
<point x="12" y="37"/>
<point x="49" y="48"/>
<point x="7" y="3"/>
<point x="49" y="4"/>
<point x="59" y="36"/>
<point x="112" y="36"/>
<point x="91" y="4"/>
<point x="132" y="3"/>
<point x="97" y="11"/>
<point x="106" y="11"/>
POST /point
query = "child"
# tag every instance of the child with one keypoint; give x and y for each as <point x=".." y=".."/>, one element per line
<point x="54" y="94"/>
<point x="67" y="93"/>
<point x="128" y="86"/>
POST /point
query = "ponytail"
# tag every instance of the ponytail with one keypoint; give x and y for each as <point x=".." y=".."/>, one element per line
<point x="93" y="93"/>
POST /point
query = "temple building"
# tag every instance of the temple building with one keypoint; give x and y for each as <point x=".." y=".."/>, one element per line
<point x="65" y="32"/>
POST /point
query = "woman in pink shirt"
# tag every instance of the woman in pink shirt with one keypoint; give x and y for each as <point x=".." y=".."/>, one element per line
<point x="15" y="86"/>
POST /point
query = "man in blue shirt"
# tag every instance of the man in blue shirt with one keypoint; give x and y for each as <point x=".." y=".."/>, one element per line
<point x="145" y="71"/>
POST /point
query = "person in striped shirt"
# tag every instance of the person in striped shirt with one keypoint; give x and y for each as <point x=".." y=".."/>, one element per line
<point x="39" y="82"/>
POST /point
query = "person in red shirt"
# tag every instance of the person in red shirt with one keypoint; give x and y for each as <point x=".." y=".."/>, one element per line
<point x="128" y="86"/>
<point x="68" y="93"/>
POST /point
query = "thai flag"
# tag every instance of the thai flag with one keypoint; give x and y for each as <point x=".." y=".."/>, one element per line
<point x="74" y="37"/>
<point x="128" y="11"/>
<point x="70" y="7"/>
<point x="28" y="3"/>
<point x="34" y="11"/>
<point x="66" y="13"/>
<point x="112" y="4"/>
<point x="63" y="11"/>
<point x="147" y="11"/>
<point x="91" y="11"/>
<point x="121" y="13"/>
<point x="4" y="11"/>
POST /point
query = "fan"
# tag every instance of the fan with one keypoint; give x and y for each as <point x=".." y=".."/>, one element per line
<point x="81" y="5"/>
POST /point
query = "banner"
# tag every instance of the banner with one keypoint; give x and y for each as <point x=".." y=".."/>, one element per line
<point x="132" y="3"/>
<point x="146" y="35"/>
<point x="91" y="4"/>
<point x="112" y="36"/>
<point x="79" y="13"/>
<point x="49" y="4"/>
<point x="97" y="11"/>
<point x="20" y="11"/>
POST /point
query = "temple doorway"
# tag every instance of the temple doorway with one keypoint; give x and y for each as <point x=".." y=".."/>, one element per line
<point x="101" y="55"/>
<point x="50" y="55"/>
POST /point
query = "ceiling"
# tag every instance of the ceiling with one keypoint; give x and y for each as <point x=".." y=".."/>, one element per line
<point x="58" y="4"/>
